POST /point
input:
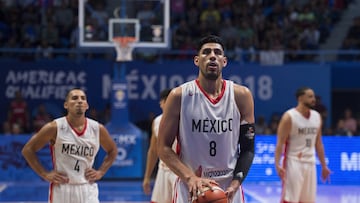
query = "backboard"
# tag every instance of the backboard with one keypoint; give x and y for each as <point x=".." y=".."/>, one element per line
<point x="146" y="20"/>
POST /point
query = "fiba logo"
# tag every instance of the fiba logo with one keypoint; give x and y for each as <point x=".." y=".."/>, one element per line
<point x="120" y="95"/>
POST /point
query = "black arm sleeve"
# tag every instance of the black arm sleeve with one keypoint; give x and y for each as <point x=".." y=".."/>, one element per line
<point x="247" y="152"/>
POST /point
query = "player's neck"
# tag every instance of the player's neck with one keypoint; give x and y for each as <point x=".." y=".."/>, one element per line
<point x="76" y="122"/>
<point x="212" y="87"/>
<point x="305" y="111"/>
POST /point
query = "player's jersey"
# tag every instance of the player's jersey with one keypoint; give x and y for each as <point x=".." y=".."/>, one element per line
<point x="73" y="151"/>
<point x="301" y="142"/>
<point x="210" y="129"/>
<point x="156" y="124"/>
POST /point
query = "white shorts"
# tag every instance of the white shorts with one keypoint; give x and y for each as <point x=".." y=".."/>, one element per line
<point x="300" y="182"/>
<point x="164" y="186"/>
<point x="181" y="194"/>
<point x="69" y="193"/>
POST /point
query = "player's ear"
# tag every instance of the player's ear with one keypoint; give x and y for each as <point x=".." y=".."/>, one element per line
<point x="196" y="60"/>
<point x="225" y="61"/>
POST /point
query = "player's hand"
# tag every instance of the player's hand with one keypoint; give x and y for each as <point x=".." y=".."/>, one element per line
<point x="146" y="186"/>
<point x="56" y="177"/>
<point x="196" y="184"/>
<point x="231" y="190"/>
<point x="281" y="172"/>
<point x="325" y="174"/>
<point x="93" y="175"/>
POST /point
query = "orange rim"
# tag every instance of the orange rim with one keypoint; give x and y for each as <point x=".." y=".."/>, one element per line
<point x="124" y="41"/>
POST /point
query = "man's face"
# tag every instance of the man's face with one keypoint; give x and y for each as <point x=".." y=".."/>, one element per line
<point x="308" y="99"/>
<point x="211" y="60"/>
<point x="76" y="102"/>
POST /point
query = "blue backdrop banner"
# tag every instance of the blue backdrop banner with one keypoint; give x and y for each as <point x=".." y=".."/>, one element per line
<point x="47" y="82"/>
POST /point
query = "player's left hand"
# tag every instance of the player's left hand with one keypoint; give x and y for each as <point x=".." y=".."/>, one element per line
<point x="92" y="175"/>
<point x="325" y="174"/>
<point x="231" y="190"/>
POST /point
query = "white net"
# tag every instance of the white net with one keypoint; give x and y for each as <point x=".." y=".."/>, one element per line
<point x="124" y="48"/>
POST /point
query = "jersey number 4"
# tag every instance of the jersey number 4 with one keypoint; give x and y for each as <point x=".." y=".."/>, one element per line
<point x="77" y="166"/>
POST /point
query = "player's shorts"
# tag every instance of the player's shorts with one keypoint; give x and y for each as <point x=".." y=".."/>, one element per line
<point x="69" y="193"/>
<point x="300" y="182"/>
<point x="181" y="194"/>
<point x="163" y="186"/>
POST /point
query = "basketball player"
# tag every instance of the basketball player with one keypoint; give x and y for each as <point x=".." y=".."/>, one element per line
<point x="74" y="141"/>
<point x="213" y="121"/>
<point x="299" y="133"/>
<point x="165" y="178"/>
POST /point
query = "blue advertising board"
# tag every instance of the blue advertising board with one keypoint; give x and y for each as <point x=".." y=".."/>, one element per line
<point x="47" y="82"/>
<point x="342" y="157"/>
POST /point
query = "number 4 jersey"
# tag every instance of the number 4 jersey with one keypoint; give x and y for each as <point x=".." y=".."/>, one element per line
<point x="209" y="131"/>
<point x="73" y="151"/>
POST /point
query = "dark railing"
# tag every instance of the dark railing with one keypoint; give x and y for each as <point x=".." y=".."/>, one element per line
<point x="315" y="56"/>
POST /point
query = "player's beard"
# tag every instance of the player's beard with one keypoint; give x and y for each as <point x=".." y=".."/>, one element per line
<point x="79" y="111"/>
<point x="210" y="75"/>
<point x="310" y="105"/>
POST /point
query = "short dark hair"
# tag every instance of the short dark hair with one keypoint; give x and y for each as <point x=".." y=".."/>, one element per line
<point x="301" y="91"/>
<point x="210" y="39"/>
<point x="165" y="93"/>
<point x="70" y="90"/>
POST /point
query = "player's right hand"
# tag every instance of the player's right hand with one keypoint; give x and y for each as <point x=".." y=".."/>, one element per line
<point x="146" y="186"/>
<point x="281" y="172"/>
<point x="56" y="177"/>
<point x="195" y="185"/>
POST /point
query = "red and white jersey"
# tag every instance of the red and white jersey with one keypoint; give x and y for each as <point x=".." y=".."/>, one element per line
<point x="74" y="152"/>
<point x="301" y="142"/>
<point x="156" y="124"/>
<point x="209" y="131"/>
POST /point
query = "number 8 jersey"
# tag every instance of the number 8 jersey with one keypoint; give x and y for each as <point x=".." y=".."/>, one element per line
<point x="210" y="129"/>
<point x="74" y="151"/>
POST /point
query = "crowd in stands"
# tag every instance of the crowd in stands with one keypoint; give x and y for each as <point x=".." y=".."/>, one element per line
<point x="253" y="30"/>
<point x="351" y="42"/>
<point x="267" y="27"/>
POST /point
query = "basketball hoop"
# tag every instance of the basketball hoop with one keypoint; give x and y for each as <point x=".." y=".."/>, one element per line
<point x="124" y="47"/>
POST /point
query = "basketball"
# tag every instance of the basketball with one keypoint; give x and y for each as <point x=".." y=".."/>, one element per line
<point x="212" y="196"/>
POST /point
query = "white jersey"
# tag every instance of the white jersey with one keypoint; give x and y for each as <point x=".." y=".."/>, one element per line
<point x="300" y="145"/>
<point x="210" y="129"/>
<point x="74" y="152"/>
<point x="156" y="124"/>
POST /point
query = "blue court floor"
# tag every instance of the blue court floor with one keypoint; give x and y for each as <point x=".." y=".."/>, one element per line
<point x="131" y="192"/>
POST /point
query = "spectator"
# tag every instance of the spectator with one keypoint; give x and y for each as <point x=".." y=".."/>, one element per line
<point x="350" y="122"/>
<point x="341" y="129"/>
<point x="41" y="117"/>
<point x="261" y="125"/>
<point x="273" y="54"/>
<point x="44" y="50"/>
<point x="6" y="128"/>
<point x="147" y="17"/>
<point x="18" y="112"/>
<point x="16" y="129"/>
<point x="181" y="32"/>
<point x="50" y="33"/>
<point x="229" y="32"/>
<point x="211" y="16"/>
<point x="310" y="37"/>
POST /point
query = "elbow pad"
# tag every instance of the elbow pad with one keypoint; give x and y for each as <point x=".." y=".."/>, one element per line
<point x="247" y="137"/>
<point x="247" y="152"/>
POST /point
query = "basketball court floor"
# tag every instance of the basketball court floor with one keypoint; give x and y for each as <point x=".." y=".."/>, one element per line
<point x="131" y="192"/>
